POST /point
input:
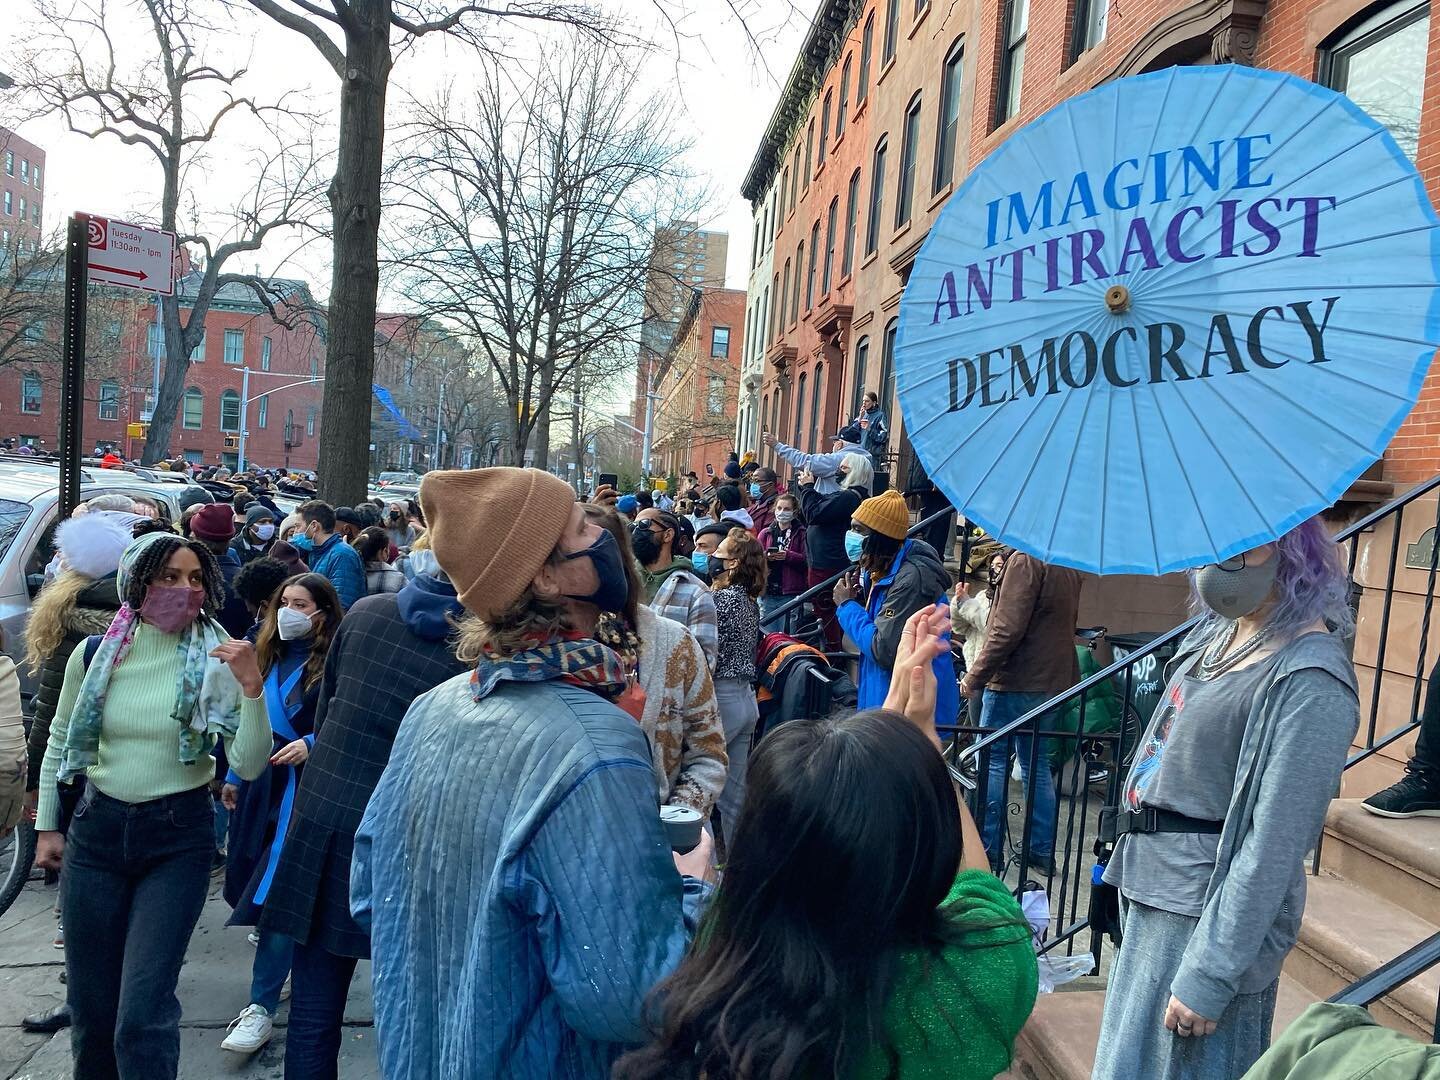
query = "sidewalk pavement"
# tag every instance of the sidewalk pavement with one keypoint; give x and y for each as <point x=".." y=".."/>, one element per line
<point x="214" y="987"/>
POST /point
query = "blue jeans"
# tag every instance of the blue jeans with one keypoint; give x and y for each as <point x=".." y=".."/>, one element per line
<point x="317" y="1013"/>
<point x="272" y="965"/>
<point x="1000" y="708"/>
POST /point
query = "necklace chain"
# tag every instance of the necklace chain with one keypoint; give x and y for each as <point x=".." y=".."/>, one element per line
<point x="1217" y="662"/>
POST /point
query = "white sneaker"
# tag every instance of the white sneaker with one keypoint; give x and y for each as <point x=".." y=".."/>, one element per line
<point x="249" y="1031"/>
<point x="285" y="990"/>
<point x="254" y="938"/>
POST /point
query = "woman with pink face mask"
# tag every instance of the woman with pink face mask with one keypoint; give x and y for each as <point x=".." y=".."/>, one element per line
<point x="139" y="714"/>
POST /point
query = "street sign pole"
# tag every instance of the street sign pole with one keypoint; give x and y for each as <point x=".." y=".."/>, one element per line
<point x="72" y="362"/>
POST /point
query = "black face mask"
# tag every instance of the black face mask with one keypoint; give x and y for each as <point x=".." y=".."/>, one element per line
<point x="646" y="542"/>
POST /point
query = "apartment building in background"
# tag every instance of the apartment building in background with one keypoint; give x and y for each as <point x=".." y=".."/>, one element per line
<point x="23" y="175"/>
<point x="696" y="412"/>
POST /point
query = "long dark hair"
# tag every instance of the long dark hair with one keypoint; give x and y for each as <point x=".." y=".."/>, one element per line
<point x="327" y="602"/>
<point x="880" y="552"/>
<point x="795" y="960"/>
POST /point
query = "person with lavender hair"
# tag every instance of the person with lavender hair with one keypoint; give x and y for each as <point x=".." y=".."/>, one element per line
<point x="1226" y="795"/>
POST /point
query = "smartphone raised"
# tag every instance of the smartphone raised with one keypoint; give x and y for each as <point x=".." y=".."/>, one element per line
<point x="608" y="479"/>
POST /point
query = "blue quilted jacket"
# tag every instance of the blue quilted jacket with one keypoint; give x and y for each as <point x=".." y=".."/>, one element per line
<point x="340" y="563"/>
<point x="519" y="889"/>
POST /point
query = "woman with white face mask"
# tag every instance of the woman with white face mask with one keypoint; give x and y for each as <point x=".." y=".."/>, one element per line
<point x="294" y="637"/>
<point x="1227" y="793"/>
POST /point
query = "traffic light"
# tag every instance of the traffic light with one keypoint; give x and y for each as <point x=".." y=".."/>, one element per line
<point x="232" y="442"/>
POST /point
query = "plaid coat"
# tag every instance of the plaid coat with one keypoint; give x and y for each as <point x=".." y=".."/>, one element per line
<point x="376" y="667"/>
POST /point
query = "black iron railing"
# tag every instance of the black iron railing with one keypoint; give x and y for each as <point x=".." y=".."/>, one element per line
<point x="1384" y="980"/>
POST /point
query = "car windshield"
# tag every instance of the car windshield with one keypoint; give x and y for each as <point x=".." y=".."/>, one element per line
<point x="12" y="516"/>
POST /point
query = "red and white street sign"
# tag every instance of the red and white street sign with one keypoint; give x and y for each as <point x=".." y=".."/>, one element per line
<point x="130" y="256"/>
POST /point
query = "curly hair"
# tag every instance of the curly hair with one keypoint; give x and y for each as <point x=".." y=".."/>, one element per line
<point x="45" y="629"/>
<point x="152" y="560"/>
<point x="748" y="569"/>
<point x="515" y="630"/>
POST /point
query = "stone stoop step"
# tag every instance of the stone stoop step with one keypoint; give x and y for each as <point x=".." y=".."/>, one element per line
<point x="1059" y="1041"/>
<point x="1350" y="931"/>
<point x="1397" y="859"/>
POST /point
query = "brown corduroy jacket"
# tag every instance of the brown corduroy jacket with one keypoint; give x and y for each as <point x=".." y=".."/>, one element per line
<point x="1030" y="639"/>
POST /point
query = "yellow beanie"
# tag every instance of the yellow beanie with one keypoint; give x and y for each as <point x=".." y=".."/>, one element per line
<point x="886" y="514"/>
<point x="493" y="529"/>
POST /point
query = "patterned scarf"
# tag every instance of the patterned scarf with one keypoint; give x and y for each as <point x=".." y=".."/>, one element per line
<point x="207" y="697"/>
<point x="582" y="662"/>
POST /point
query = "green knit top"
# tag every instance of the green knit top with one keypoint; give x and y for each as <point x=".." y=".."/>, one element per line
<point x="139" y="740"/>
<point x="955" y="1014"/>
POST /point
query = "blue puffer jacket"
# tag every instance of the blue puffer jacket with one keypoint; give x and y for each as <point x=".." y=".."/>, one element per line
<point x="916" y="579"/>
<point x="519" y="889"/>
<point x="339" y="563"/>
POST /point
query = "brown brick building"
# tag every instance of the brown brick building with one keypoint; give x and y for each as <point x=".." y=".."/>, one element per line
<point x="695" y="416"/>
<point x="22" y="192"/>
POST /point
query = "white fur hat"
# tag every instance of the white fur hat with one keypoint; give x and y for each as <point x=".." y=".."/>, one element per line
<point x="93" y="543"/>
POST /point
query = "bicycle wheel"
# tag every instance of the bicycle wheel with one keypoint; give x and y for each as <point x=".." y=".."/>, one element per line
<point x="17" y="856"/>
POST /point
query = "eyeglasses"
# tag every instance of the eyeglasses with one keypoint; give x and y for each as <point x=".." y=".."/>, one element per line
<point x="1235" y="562"/>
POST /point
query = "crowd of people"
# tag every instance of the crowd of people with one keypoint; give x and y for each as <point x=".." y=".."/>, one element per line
<point x="456" y="737"/>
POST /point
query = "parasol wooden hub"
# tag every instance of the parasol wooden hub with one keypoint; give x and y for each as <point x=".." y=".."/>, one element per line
<point x="1117" y="299"/>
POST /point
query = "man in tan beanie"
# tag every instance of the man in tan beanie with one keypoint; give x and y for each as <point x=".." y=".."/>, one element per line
<point x="521" y="895"/>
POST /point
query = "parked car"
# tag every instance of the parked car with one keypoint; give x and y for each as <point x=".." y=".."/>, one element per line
<point x="29" y="514"/>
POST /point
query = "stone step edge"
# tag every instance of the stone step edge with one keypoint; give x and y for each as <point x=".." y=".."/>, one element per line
<point x="1337" y="829"/>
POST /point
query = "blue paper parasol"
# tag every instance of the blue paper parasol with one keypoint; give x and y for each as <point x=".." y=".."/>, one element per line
<point x="1170" y="319"/>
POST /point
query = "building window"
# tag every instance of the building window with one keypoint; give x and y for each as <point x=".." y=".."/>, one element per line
<point x="35" y="178"/>
<point x="1380" y="65"/>
<point x="265" y="354"/>
<point x="810" y="267"/>
<point x="35" y="331"/>
<point x="24" y="171"/>
<point x="23" y="214"/>
<point x="109" y="401"/>
<point x="877" y="197"/>
<point x="35" y="213"/>
<point x="1012" y="59"/>
<point x="715" y="396"/>
<point x="815" y="385"/>
<point x="720" y="341"/>
<point x="867" y="47"/>
<point x="809" y="154"/>
<point x="862" y="354"/>
<point x="909" y="150"/>
<point x="948" y="135"/>
<point x="830" y="222"/>
<point x="798" y="438"/>
<point x="784" y="298"/>
<point x="9" y="204"/>
<point x="194" y="411"/>
<point x="197" y="354"/>
<point x="774" y="324"/>
<point x="263" y="407"/>
<point x="755" y="244"/>
<point x="784" y="192"/>
<point x="764" y="313"/>
<point x="799" y="272"/>
<point x="9" y="162"/>
<point x="30" y="393"/>
<point x="824" y="125"/>
<point x="4" y="242"/>
<point x="795" y="182"/>
<point x="921" y="5"/>
<point x="892" y="32"/>
<point x="852" y="213"/>
<point x="1089" y="28"/>
<point x="229" y="411"/>
<point x="314" y="367"/>
<point x="234" y="346"/>
<point x="310" y="420"/>
<point x="840" y="115"/>
<point x="886" y="385"/>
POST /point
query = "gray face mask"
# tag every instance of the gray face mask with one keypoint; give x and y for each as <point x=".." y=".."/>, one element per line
<point x="1234" y="594"/>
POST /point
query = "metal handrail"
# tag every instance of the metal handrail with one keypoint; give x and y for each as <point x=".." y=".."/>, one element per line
<point x="1410" y="964"/>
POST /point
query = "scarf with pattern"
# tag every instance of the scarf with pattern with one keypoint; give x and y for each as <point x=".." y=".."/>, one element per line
<point x="207" y="697"/>
<point x="582" y="662"/>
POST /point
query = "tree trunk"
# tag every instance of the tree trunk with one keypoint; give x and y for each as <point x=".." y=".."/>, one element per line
<point x="355" y="280"/>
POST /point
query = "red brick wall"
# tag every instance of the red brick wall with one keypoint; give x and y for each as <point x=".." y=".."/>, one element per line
<point x="688" y="435"/>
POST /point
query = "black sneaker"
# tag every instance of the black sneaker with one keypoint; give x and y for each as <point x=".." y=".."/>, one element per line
<point x="1413" y="796"/>
<point x="47" y="1022"/>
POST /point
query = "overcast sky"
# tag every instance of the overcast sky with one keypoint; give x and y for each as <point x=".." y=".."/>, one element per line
<point x="727" y="80"/>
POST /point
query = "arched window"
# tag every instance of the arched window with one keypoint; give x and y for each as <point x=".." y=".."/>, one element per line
<point x="948" y="135"/>
<point x="799" y="435"/>
<point x="799" y="272"/>
<point x="852" y="216"/>
<point x="809" y="154"/>
<point x="193" y="413"/>
<point x="867" y="49"/>
<point x="1379" y="63"/>
<point x="824" y="125"/>
<point x="784" y="299"/>
<point x="840" y="115"/>
<point x="862" y="357"/>
<point x="909" y="151"/>
<point x="810" y="266"/>
<point x="815" y="385"/>
<point x="830" y="220"/>
<point x="229" y="411"/>
<point x="877" y="195"/>
<point x="109" y="400"/>
<point x="885" y="386"/>
<point x="775" y="323"/>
